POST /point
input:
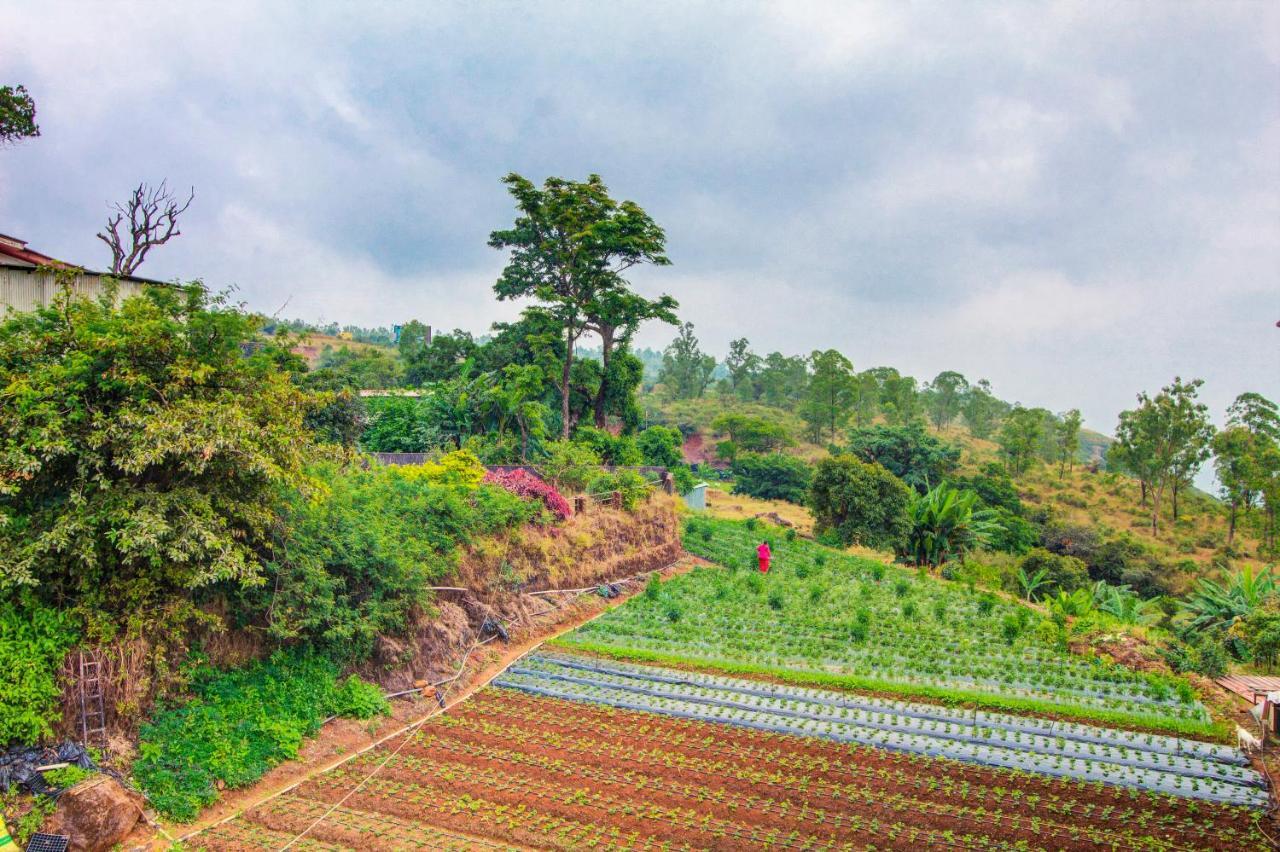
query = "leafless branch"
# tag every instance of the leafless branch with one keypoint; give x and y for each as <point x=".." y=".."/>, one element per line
<point x="150" y="219"/>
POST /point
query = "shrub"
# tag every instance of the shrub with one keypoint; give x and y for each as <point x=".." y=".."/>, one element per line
<point x="354" y="559"/>
<point x="529" y="487"/>
<point x="1060" y="573"/>
<point x="860" y="503"/>
<point x="772" y="477"/>
<point x="33" y="642"/>
<point x="775" y="600"/>
<point x="238" y="725"/>
<point x="569" y="465"/>
<point x="631" y="485"/>
<point x="662" y="446"/>
<point x="612" y="449"/>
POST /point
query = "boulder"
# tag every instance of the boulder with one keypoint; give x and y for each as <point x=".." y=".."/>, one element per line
<point x="96" y="814"/>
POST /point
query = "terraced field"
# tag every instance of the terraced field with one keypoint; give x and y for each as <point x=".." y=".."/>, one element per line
<point x="765" y="734"/>
<point x="828" y="619"/>
<point x="547" y="773"/>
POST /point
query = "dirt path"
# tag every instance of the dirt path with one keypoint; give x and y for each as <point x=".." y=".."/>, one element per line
<point x="343" y="740"/>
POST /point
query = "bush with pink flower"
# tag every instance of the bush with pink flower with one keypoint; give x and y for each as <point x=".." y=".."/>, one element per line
<point x="524" y="484"/>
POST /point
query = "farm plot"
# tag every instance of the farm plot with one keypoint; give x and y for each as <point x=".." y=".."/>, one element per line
<point x="1158" y="764"/>
<point x="542" y="772"/>
<point x="826" y="618"/>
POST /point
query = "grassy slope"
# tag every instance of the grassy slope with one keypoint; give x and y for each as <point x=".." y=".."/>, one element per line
<point x="1109" y="503"/>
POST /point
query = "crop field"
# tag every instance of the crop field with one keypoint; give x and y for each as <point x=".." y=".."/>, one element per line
<point x="543" y="772"/>
<point x="829" y="619"/>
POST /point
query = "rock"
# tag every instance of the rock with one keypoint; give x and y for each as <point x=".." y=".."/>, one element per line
<point x="96" y="814"/>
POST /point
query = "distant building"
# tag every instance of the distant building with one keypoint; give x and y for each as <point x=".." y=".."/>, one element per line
<point x="26" y="282"/>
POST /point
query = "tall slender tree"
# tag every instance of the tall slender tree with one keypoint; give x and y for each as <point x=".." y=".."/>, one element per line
<point x="944" y="396"/>
<point x="570" y="245"/>
<point x="1066" y="435"/>
<point x="830" y="393"/>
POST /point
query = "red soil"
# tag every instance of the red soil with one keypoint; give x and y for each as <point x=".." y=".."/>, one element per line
<point x="545" y="773"/>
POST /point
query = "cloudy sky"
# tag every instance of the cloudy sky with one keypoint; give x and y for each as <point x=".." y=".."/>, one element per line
<point x="1076" y="201"/>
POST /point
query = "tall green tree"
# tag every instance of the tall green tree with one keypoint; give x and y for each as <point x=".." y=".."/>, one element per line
<point x="570" y="245"/>
<point x="743" y="366"/>
<point x="829" y="396"/>
<point x="899" y="398"/>
<point x="866" y="399"/>
<point x="981" y="410"/>
<point x="17" y="115"/>
<point x="783" y="379"/>
<point x="1066" y="437"/>
<point x="1166" y="437"/>
<point x="944" y="397"/>
<point x="1236" y="462"/>
<point x="686" y="369"/>
<point x="1020" y="436"/>
<point x="615" y="317"/>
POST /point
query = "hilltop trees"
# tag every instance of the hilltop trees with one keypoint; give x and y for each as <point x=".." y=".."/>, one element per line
<point x="570" y="245"/>
<point x="908" y="452"/>
<point x="686" y="369"/>
<point x="1020" y="437"/>
<point x="1247" y="460"/>
<point x="830" y="393"/>
<point x="981" y="410"/>
<point x="944" y="397"/>
<point x="1066" y="437"/>
<point x="744" y="367"/>
<point x="1165" y="439"/>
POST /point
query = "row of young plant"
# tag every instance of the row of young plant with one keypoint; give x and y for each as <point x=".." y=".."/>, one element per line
<point x="694" y="821"/>
<point x="934" y="713"/>
<point x="1127" y="767"/>
<point x="836" y="619"/>
<point x="627" y="738"/>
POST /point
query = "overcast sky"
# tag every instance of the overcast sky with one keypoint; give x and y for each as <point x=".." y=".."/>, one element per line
<point x="1076" y="201"/>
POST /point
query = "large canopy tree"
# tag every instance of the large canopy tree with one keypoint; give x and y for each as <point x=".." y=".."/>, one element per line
<point x="142" y="449"/>
<point x="17" y="115"/>
<point x="570" y="245"/>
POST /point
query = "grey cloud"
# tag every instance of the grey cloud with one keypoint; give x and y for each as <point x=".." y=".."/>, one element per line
<point x="1076" y="200"/>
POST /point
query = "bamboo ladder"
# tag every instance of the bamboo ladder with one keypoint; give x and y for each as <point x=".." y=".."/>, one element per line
<point x="93" y="717"/>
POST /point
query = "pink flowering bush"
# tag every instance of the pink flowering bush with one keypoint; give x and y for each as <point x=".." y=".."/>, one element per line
<point x="524" y="484"/>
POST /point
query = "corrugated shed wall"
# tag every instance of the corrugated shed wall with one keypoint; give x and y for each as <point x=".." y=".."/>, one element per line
<point x="25" y="290"/>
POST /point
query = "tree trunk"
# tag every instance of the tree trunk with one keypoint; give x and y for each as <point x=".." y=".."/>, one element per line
<point x="606" y="350"/>
<point x="1175" y="501"/>
<point x="1157" y="497"/>
<point x="1231" y="523"/>
<point x="524" y="440"/>
<point x="1143" y="484"/>
<point x="564" y="381"/>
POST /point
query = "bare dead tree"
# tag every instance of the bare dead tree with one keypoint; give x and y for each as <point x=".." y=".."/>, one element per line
<point x="150" y="219"/>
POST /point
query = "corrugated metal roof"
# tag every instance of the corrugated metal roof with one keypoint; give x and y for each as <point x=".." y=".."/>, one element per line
<point x="1249" y="687"/>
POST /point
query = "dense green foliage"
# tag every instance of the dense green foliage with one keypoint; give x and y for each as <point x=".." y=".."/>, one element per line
<point x="860" y="502"/>
<point x="356" y="558"/>
<point x="238" y="725"/>
<point x="908" y="452"/>
<point x="660" y="445"/>
<point x="772" y="477"/>
<point x="17" y="114"/>
<point x="945" y="526"/>
<point x="144" y="452"/>
<point x="34" y="639"/>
